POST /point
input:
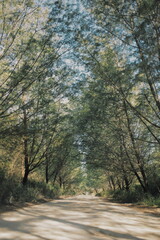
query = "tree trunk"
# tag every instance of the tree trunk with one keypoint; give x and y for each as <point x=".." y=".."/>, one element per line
<point x="142" y="181"/>
<point x="25" y="177"/>
<point x="126" y="183"/>
<point x="26" y="157"/>
<point x="113" y="183"/>
<point x="47" y="173"/>
<point x="60" y="182"/>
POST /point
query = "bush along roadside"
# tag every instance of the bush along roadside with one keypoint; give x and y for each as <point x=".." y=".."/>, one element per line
<point x="12" y="191"/>
<point x="135" y="196"/>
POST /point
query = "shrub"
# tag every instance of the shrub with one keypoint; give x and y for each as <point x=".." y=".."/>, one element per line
<point x="7" y="189"/>
<point x="150" y="200"/>
<point x="135" y="195"/>
<point x="12" y="190"/>
<point x="126" y="196"/>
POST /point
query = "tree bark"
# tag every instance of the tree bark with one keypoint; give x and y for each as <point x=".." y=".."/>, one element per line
<point x="26" y="157"/>
<point x="144" y="184"/>
<point x="47" y="173"/>
<point x="25" y="177"/>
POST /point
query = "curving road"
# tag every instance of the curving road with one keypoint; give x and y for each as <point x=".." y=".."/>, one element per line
<point x="79" y="218"/>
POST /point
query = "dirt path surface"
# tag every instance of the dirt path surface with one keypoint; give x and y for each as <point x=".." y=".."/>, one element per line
<point x="79" y="218"/>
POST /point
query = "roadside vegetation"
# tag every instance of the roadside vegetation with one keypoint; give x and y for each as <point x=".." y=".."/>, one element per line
<point x="136" y="197"/>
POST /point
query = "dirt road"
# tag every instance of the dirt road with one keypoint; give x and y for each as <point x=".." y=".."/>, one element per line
<point x="79" y="218"/>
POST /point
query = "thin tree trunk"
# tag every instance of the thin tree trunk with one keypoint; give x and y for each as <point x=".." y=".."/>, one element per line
<point x="113" y="183"/>
<point x="25" y="177"/>
<point x="47" y="170"/>
<point x="137" y="155"/>
<point x="26" y="157"/>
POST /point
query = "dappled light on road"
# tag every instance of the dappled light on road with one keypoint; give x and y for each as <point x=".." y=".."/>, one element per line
<point x="78" y="218"/>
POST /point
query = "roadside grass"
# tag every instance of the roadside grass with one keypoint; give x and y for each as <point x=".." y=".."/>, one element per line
<point x="151" y="201"/>
<point x="11" y="191"/>
<point x="133" y="196"/>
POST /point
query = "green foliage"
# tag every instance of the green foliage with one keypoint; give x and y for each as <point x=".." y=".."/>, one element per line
<point x="70" y="192"/>
<point x="127" y="196"/>
<point x="2" y="175"/>
<point x="135" y="195"/>
<point x="13" y="191"/>
<point x="150" y="200"/>
<point x="7" y="189"/>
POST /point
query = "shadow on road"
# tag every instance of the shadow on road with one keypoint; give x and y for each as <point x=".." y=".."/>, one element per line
<point x="77" y="219"/>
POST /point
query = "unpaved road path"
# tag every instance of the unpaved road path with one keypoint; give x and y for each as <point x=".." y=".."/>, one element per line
<point x="79" y="218"/>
